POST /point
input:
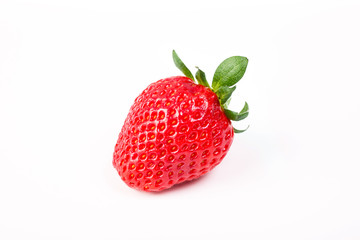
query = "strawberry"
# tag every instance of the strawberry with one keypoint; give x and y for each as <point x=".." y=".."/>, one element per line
<point x="178" y="130"/>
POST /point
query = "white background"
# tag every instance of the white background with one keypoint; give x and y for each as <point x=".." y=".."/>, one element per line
<point x="70" y="70"/>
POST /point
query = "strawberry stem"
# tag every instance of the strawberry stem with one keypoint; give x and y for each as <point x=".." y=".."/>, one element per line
<point x="227" y="74"/>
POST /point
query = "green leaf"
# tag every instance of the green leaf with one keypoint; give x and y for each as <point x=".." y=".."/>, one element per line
<point x="181" y="66"/>
<point x="224" y="93"/>
<point x="240" y="131"/>
<point x="226" y="104"/>
<point x="238" y="116"/>
<point x="229" y="72"/>
<point x="201" y="78"/>
<point x="245" y="108"/>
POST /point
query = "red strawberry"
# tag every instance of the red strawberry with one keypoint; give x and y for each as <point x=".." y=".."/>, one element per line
<point x="178" y="130"/>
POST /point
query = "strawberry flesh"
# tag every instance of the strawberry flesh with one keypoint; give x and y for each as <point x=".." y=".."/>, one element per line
<point x="176" y="131"/>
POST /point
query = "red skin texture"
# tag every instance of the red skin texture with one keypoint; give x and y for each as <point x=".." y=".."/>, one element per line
<point x="175" y="131"/>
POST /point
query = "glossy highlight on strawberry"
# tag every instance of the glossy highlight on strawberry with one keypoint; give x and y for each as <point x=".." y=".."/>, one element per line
<point x="175" y="131"/>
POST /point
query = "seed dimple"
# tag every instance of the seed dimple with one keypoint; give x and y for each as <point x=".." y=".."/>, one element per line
<point x="196" y="126"/>
<point x="205" y="123"/>
<point x="217" y="142"/>
<point x="174" y="148"/>
<point x="183" y="128"/>
<point x="180" y="165"/>
<point x="192" y="171"/>
<point x="160" y="136"/>
<point x="152" y="156"/>
<point x="159" y="173"/>
<point x="173" y="122"/>
<point x="192" y="164"/>
<point x="134" y="156"/>
<point x="149" y="173"/>
<point x="158" y="183"/>
<point x="170" y="174"/>
<point x="150" y="104"/>
<point x="139" y="176"/>
<point x="205" y="154"/>
<point x="216" y="132"/>
<point x="134" y="149"/>
<point x="151" y="145"/>
<point x="141" y="166"/>
<point x="161" y="115"/>
<point x="161" y="126"/>
<point x="160" y="164"/>
<point x="192" y="136"/>
<point x="127" y="148"/>
<point x="214" y="123"/>
<point x="162" y="153"/>
<point x="204" y="162"/>
<point x="171" y="182"/>
<point x="180" y="138"/>
<point x="171" y="158"/>
<point x="197" y="115"/>
<point x="158" y="104"/>
<point x="216" y="152"/>
<point x="151" y="165"/>
<point x="180" y="173"/>
<point x="142" y="137"/>
<point x="182" y="157"/>
<point x="184" y="147"/>
<point x="227" y="135"/>
<point x="184" y="117"/>
<point x="151" y="136"/>
<point x="172" y="92"/>
<point x="147" y="116"/>
<point x="133" y="130"/>
<point x="142" y="156"/>
<point x="168" y="103"/>
<point x="199" y="102"/>
<point x="172" y="111"/>
<point x="203" y="135"/>
<point x="171" y="132"/>
<point x="151" y="127"/>
<point x="193" y="146"/>
<point x="193" y="155"/>
<point x="206" y="145"/>
<point x="154" y="94"/>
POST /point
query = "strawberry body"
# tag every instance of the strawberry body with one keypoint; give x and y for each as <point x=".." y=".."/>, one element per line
<point x="176" y="131"/>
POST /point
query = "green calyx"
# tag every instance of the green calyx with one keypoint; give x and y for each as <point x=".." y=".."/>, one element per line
<point x="227" y="74"/>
